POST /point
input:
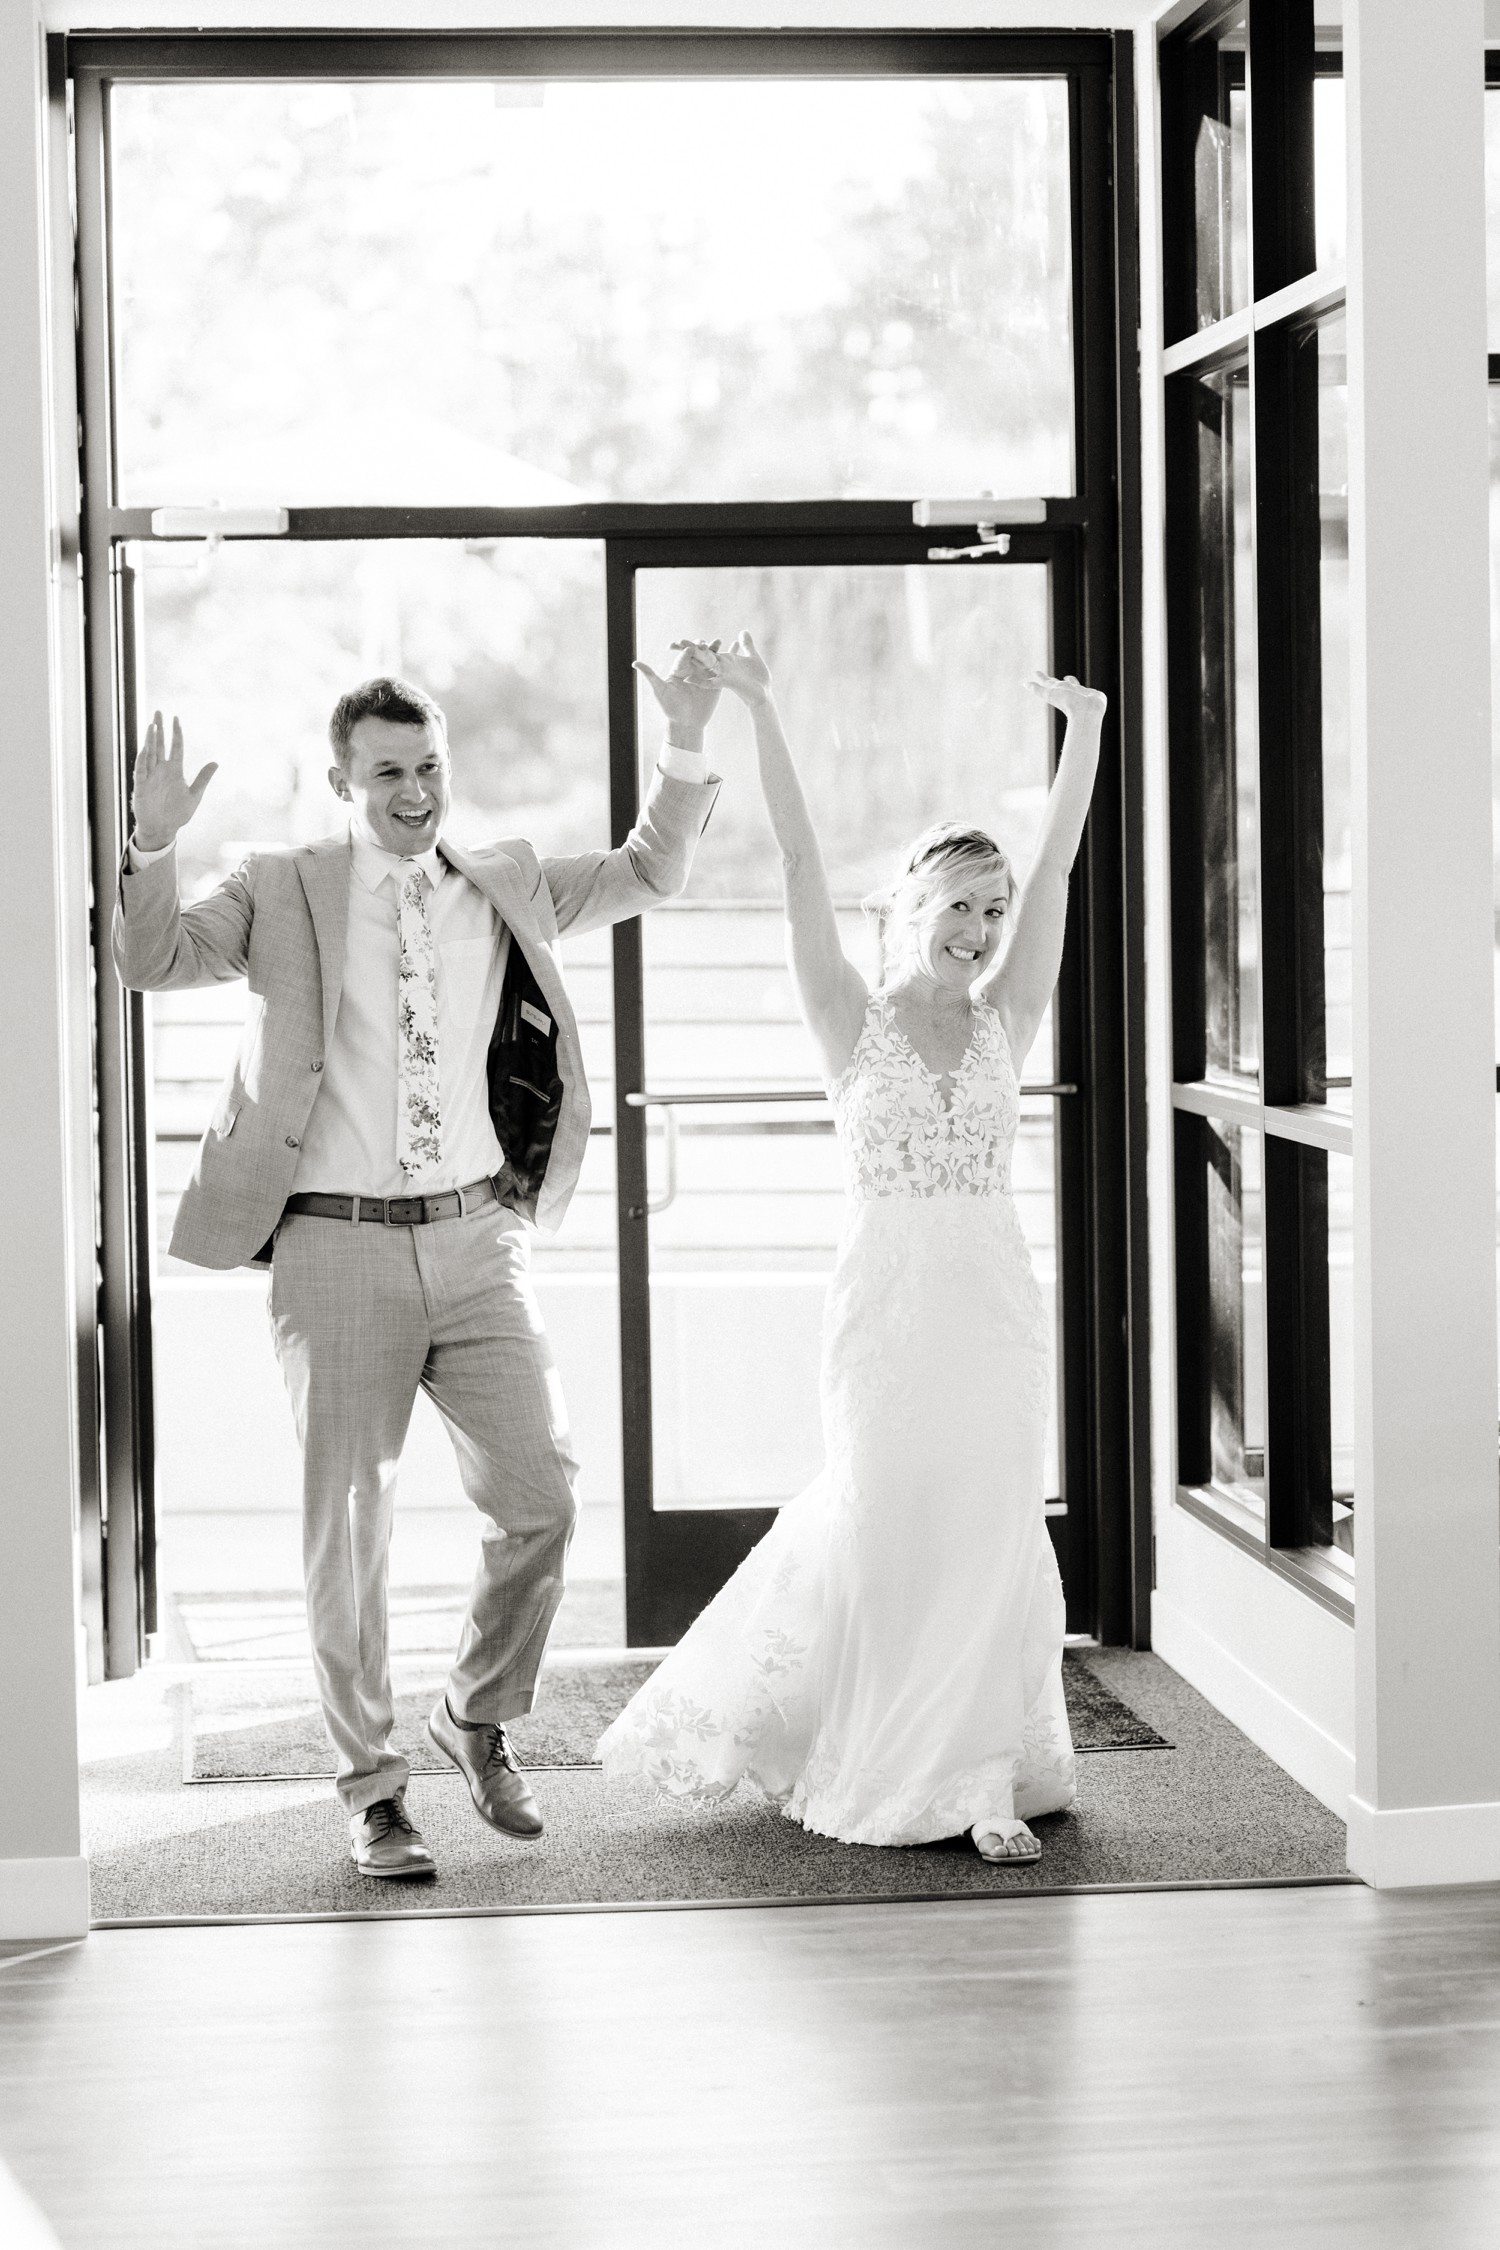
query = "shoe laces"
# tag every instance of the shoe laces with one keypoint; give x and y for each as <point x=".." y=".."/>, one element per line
<point x="500" y="1752"/>
<point x="384" y="1815"/>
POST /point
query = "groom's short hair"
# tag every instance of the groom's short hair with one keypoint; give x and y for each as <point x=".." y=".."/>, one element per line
<point x="381" y="698"/>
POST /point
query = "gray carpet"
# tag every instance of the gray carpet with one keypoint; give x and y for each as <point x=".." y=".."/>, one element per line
<point x="265" y="1724"/>
<point x="1216" y="1810"/>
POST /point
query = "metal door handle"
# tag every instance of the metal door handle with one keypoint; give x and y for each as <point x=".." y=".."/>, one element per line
<point x="669" y="1194"/>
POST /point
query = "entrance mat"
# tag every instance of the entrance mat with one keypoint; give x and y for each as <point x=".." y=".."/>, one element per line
<point x="1217" y="1810"/>
<point x="243" y="1740"/>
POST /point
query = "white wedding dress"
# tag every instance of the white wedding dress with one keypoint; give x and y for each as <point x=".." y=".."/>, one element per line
<point x="887" y="1663"/>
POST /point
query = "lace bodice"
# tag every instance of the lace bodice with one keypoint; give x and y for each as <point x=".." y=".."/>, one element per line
<point x="900" y="1137"/>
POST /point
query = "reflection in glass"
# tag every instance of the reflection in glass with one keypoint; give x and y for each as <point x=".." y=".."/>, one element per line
<point x="1226" y="657"/>
<point x="901" y="688"/>
<point x="1341" y="1344"/>
<point x="1333" y="599"/>
<point x="522" y="293"/>
<point x="1236" y="1308"/>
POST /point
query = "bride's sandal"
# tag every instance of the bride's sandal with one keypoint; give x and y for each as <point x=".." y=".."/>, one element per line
<point x="1006" y="1843"/>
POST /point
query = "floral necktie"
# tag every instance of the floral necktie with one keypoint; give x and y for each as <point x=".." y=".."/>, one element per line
<point x="419" y="1117"/>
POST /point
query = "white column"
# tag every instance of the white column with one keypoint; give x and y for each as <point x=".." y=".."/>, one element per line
<point x="1426" y="1807"/>
<point x="43" y="1877"/>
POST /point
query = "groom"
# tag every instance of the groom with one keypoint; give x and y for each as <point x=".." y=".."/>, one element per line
<point x="409" y="1093"/>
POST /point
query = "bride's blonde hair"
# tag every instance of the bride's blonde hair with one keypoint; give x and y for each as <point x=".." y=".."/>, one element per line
<point x="944" y="862"/>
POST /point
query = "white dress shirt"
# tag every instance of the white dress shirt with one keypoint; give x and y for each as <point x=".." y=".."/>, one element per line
<point x="349" y="1142"/>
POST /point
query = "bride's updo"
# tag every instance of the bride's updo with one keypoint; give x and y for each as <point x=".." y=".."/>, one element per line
<point x="943" y="863"/>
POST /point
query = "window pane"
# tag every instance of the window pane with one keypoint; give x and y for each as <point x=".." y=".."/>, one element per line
<point x="1492" y="205"/>
<point x="1333" y="597"/>
<point x="1341" y="1345"/>
<point x="520" y="293"/>
<point x="1495" y="668"/>
<point x="1205" y="115"/>
<point x="1490" y="115"/>
<point x="1236" y="1309"/>
<point x="903" y="693"/>
<point x="1227" y="721"/>
<point x="903" y="689"/>
<point x="252" y="642"/>
<point x="1330" y="182"/>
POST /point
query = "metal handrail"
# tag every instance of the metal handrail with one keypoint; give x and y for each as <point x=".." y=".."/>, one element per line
<point x="739" y="1097"/>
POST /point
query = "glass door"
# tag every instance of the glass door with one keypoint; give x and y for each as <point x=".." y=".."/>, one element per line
<point x="901" y="682"/>
<point x="509" y="635"/>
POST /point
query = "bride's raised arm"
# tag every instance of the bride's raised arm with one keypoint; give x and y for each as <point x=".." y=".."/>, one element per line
<point x="1026" y="976"/>
<point x="830" y="990"/>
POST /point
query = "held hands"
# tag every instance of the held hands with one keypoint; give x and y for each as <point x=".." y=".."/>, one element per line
<point x="702" y="670"/>
<point x="689" y="692"/>
<point x="163" y="799"/>
<point x="744" y="671"/>
<point x="1069" y="696"/>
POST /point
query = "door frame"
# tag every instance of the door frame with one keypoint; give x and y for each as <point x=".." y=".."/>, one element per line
<point x="116" y="1402"/>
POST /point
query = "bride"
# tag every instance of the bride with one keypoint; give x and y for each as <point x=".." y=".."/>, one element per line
<point x="887" y="1663"/>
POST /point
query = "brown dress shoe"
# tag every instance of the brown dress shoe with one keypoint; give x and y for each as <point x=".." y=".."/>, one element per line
<point x="483" y="1755"/>
<point x="383" y="1841"/>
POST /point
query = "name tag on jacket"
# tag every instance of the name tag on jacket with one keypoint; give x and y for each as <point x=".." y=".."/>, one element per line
<point x="536" y="1018"/>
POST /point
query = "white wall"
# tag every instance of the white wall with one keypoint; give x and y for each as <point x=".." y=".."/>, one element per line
<point x="43" y="1877"/>
<point x="1427" y="1801"/>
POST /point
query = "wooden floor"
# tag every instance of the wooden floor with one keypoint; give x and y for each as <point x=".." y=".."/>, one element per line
<point x="1204" y="2069"/>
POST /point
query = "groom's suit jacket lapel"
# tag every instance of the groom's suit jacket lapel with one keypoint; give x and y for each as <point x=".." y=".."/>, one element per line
<point x="498" y="878"/>
<point x="324" y="872"/>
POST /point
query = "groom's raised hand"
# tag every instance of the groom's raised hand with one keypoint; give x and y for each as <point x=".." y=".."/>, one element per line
<point x="162" y="798"/>
<point x="689" y="693"/>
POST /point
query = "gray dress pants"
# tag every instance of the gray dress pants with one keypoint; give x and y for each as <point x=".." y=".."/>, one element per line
<point x="363" y="1315"/>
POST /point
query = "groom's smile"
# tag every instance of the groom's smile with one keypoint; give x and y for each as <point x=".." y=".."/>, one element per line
<point x="395" y="777"/>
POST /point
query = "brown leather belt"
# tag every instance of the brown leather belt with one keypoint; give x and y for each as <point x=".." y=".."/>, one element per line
<point x="397" y="1210"/>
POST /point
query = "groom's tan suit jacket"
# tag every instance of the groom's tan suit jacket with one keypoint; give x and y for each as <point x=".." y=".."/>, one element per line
<point x="280" y="921"/>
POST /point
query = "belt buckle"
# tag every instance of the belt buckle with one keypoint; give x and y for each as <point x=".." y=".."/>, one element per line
<point x="398" y="1212"/>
